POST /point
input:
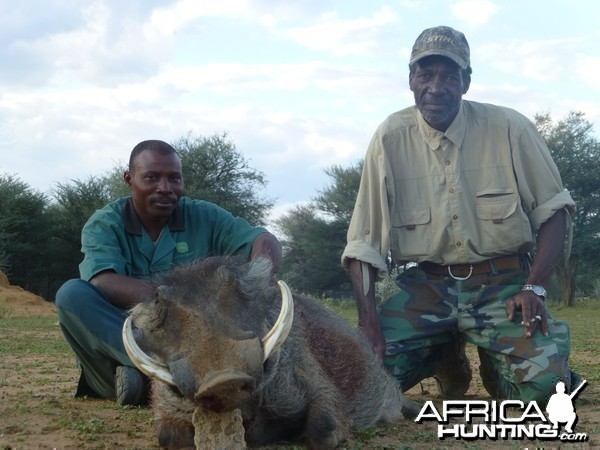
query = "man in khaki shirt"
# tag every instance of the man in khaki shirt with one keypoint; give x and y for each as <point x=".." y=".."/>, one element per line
<point x="465" y="190"/>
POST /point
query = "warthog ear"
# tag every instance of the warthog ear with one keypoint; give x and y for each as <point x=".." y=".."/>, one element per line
<point x="226" y="277"/>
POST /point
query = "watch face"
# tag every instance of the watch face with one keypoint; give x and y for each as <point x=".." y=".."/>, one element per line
<point x="539" y="290"/>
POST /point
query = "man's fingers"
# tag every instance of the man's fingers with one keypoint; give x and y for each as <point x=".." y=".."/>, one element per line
<point x="543" y="323"/>
<point x="510" y="308"/>
<point x="527" y="317"/>
<point x="537" y="322"/>
<point x="544" y="326"/>
<point x="529" y="321"/>
<point x="533" y="316"/>
<point x="531" y="327"/>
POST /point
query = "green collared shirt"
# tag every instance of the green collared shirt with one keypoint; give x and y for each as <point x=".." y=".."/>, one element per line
<point x="480" y="190"/>
<point x="114" y="238"/>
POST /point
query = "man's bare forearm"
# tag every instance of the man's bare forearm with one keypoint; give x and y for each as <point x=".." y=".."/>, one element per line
<point x="121" y="291"/>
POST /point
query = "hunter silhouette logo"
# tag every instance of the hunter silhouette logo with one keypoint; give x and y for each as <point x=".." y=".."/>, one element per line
<point x="508" y="419"/>
<point x="560" y="407"/>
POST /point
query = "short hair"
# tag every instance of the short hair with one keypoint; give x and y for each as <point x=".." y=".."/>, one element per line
<point x="153" y="145"/>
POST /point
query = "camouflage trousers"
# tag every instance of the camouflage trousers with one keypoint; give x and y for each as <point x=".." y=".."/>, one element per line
<point x="431" y="311"/>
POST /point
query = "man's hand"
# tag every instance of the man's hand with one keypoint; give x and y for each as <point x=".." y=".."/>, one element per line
<point x="547" y="254"/>
<point x="533" y="312"/>
<point x="267" y="245"/>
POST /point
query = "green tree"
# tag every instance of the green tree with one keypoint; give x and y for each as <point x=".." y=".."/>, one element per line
<point x="576" y="152"/>
<point x="24" y="233"/>
<point x="74" y="203"/>
<point x="215" y="171"/>
<point x="115" y="184"/>
<point x="314" y="236"/>
<point x="337" y="199"/>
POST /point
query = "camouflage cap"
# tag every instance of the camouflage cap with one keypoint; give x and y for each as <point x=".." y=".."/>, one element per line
<point x="443" y="41"/>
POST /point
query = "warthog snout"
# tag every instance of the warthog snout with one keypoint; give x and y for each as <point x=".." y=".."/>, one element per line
<point x="225" y="391"/>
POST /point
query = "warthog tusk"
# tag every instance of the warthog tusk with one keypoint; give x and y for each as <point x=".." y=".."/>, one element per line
<point x="279" y="333"/>
<point x="145" y="363"/>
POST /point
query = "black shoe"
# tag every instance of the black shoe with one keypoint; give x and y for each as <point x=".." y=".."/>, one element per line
<point x="84" y="389"/>
<point x="453" y="375"/>
<point x="576" y="382"/>
<point x="131" y="386"/>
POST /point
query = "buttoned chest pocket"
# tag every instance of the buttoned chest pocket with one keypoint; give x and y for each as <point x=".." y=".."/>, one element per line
<point x="503" y="223"/>
<point x="411" y="233"/>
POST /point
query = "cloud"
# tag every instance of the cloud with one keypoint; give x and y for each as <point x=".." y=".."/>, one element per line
<point x="540" y="60"/>
<point x="183" y="14"/>
<point x="96" y="42"/>
<point x="474" y="12"/>
<point x="179" y="15"/>
<point x="584" y="67"/>
<point x="344" y="36"/>
<point x="24" y="27"/>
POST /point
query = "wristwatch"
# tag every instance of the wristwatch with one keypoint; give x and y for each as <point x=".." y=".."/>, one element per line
<point x="536" y="289"/>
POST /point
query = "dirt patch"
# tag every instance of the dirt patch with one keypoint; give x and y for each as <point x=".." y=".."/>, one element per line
<point x="18" y="302"/>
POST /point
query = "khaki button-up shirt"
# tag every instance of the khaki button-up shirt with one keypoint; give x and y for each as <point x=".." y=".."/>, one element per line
<point x="480" y="190"/>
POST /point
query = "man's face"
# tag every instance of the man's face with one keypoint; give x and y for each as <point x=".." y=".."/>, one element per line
<point x="156" y="184"/>
<point x="438" y="86"/>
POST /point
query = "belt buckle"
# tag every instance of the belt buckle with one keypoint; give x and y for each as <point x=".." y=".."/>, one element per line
<point x="461" y="278"/>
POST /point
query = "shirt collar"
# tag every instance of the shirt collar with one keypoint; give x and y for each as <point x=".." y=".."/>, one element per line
<point x="455" y="132"/>
<point x="133" y="224"/>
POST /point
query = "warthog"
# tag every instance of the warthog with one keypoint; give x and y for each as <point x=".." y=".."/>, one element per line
<point x="219" y="336"/>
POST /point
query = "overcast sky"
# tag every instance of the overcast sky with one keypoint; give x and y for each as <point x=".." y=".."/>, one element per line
<point x="298" y="85"/>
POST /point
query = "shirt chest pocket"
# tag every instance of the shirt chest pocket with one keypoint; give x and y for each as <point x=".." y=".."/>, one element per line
<point x="495" y="207"/>
<point x="503" y="223"/>
<point x="411" y="233"/>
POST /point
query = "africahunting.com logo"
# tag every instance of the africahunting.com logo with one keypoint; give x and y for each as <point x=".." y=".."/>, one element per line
<point x="509" y="419"/>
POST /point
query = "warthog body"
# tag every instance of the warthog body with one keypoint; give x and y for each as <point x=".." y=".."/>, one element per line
<point x="205" y="324"/>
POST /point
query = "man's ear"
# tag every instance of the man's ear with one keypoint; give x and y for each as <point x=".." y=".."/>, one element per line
<point x="466" y="83"/>
<point x="127" y="178"/>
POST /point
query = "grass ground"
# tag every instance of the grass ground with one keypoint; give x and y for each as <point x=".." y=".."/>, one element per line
<point x="38" y="377"/>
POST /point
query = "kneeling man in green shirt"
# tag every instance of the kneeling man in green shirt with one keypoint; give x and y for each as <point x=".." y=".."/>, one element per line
<point x="124" y="244"/>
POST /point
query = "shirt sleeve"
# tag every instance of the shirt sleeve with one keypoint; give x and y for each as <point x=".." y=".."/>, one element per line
<point x="368" y="237"/>
<point x="540" y="185"/>
<point x="101" y="246"/>
<point x="231" y="235"/>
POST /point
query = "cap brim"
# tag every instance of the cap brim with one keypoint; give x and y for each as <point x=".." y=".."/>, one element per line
<point x="453" y="56"/>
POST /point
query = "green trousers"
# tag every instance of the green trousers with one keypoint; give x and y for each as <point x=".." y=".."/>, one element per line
<point x="429" y="312"/>
<point x="92" y="327"/>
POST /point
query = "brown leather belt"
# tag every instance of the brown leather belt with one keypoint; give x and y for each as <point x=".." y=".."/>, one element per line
<point x="464" y="271"/>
